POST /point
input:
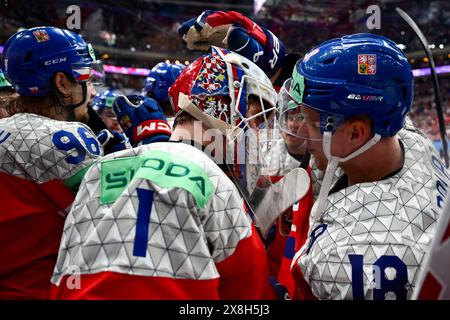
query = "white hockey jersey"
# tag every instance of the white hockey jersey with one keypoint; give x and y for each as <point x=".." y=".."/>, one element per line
<point x="373" y="237"/>
<point x="160" y="221"/>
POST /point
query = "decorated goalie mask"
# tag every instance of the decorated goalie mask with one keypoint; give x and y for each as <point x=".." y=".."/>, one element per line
<point x="228" y="92"/>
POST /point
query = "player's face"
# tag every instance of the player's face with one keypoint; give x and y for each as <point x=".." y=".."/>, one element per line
<point x="110" y="119"/>
<point x="294" y="143"/>
<point x="310" y="129"/>
<point x="81" y="112"/>
<point x="340" y="146"/>
<point x="253" y="109"/>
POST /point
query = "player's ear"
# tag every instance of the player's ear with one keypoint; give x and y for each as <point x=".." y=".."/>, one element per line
<point x="360" y="131"/>
<point x="62" y="83"/>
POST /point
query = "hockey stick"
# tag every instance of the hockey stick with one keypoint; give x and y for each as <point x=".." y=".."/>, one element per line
<point x="437" y="96"/>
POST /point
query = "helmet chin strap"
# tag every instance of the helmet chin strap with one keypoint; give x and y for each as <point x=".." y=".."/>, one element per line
<point x="332" y="165"/>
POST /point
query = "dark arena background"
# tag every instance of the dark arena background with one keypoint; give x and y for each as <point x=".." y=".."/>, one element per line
<point x="132" y="36"/>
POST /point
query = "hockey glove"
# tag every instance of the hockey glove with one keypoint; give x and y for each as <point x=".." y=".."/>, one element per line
<point x="234" y="31"/>
<point x="142" y="119"/>
<point x="113" y="141"/>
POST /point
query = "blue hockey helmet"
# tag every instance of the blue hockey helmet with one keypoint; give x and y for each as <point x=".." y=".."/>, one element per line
<point x="360" y="74"/>
<point x="159" y="80"/>
<point x="33" y="56"/>
<point x="103" y="100"/>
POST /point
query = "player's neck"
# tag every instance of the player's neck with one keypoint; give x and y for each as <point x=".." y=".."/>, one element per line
<point x="212" y="140"/>
<point x="185" y="131"/>
<point x="192" y="130"/>
<point x="382" y="159"/>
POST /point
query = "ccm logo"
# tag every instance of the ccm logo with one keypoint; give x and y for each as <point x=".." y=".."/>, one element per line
<point x="364" y="97"/>
<point x="151" y="127"/>
<point x="55" y="61"/>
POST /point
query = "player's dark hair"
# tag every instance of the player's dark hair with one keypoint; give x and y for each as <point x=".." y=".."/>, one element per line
<point x="183" y="118"/>
<point x="47" y="106"/>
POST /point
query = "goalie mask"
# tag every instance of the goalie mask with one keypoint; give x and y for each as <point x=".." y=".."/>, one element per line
<point x="228" y="92"/>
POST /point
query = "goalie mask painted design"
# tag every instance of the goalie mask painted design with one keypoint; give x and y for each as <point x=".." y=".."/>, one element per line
<point x="229" y="93"/>
<point x="224" y="84"/>
<point x="210" y="91"/>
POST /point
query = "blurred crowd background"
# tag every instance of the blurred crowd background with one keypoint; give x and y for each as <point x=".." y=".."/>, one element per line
<point x="142" y="33"/>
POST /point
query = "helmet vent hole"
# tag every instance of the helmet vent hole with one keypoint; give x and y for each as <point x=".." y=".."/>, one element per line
<point x="246" y="66"/>
<point x="404" y="89"/>
<point x="329" y="61"/>
<point x="28" y="57"/>
<point x="404" y="92"/>
<point x="82" y="52"/>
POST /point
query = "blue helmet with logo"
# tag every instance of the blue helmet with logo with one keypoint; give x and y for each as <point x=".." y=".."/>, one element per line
<point x="33" y="56"/>
<point x="103" y="100"/>
<point x="159" y="80"/>
<point x="360" y="74"/>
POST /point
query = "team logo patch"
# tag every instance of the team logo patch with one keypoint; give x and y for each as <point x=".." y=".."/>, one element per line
<point x="367" y="64"/>
<point x="41" y="35"/>
<point x="82" y="74"/>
